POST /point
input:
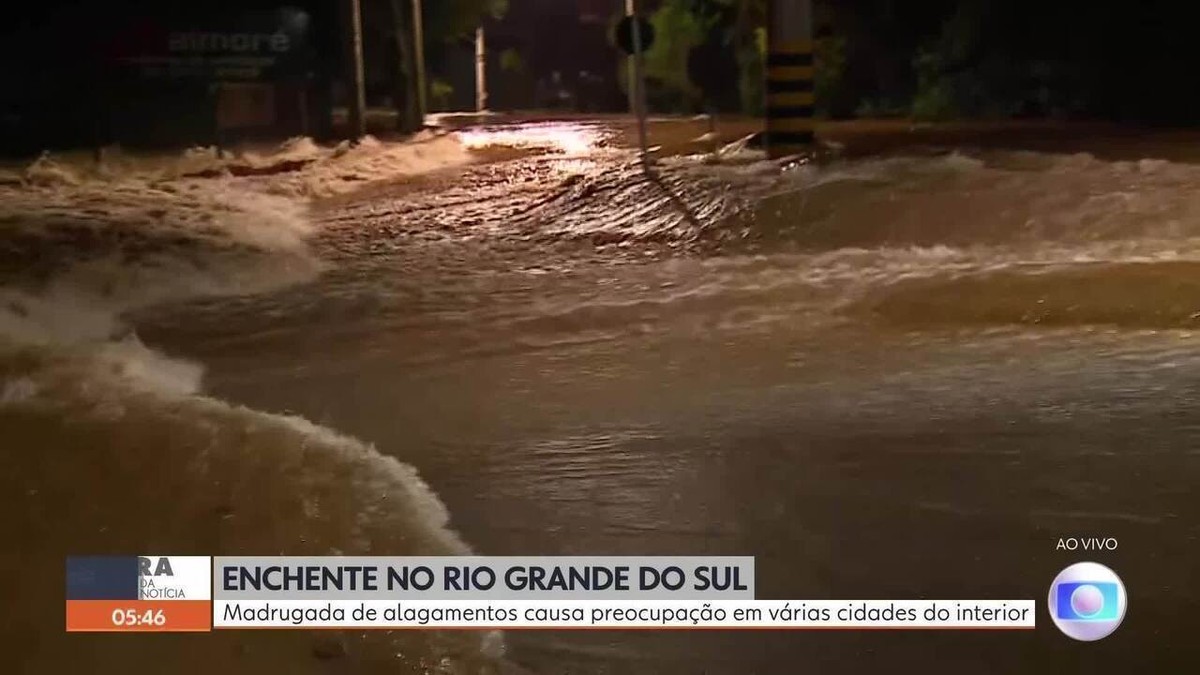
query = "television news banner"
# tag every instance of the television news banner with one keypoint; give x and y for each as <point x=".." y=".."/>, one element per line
<point x="201" y="593"/>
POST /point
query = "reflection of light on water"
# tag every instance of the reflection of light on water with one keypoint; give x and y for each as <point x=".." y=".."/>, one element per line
<point x="573" y="166"/>
<point x="572" y="139"/>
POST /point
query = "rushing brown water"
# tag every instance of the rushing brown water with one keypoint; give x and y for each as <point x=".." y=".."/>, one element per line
<point x="884" y="377"/>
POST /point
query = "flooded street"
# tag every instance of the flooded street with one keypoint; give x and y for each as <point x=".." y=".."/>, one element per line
<point x="884" y="377"/>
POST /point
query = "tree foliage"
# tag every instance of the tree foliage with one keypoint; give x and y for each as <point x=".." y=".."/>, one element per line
<point x="450" y="20"/>
<point x="678" y="30"/>
<point x="948" y="58"/>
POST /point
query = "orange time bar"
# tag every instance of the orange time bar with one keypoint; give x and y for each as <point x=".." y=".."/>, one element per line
<point x="132" y="616"/>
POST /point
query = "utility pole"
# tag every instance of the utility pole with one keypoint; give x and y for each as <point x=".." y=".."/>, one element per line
<point x="355" y="77"/>
<point x="480" y="71"/>
<point x="789" y="82"/>
<point x="418" y="28"/>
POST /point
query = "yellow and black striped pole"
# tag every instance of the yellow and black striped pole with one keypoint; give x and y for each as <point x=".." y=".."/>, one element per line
<point x="790" y="74"/>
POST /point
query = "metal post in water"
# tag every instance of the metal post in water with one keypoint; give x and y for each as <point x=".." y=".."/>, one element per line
<point x="631" y="69"/>
<point x="637" y="81"/>
<point x="419" y="59"/>
<point x="355" y="76"/>
<point x="217" y="92"/>
<point x="480" y="71"/>
<point x="789" y="83"/>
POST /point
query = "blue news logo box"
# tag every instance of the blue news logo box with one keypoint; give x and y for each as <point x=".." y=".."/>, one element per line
<point x="1088" y="601"/>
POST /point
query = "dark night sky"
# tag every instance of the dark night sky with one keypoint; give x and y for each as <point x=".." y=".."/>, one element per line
<point x="1132" y="61"/>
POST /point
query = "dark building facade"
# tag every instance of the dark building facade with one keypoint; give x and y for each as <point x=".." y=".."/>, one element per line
<point x="140" y="74"/>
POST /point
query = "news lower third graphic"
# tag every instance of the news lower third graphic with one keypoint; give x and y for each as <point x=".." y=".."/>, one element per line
<point x="1087" y="601"/>
<point x="200" y="593"/>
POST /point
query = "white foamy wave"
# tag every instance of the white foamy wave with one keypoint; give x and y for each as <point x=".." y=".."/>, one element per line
<point x="140" y="367"/>
<point x="296" y="158"/>
<point x="108" y="465"/>
<point x="107" y="388"/>
<point x="92" y="416"/>
<point x="76" y="254"/>
<point x="80" y="241"/>
<point x="345" y="168"/>
<point x="109" y="447"/>
<point x="120" y="237"/>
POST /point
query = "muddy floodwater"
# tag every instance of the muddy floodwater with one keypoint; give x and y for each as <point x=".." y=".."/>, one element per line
<point x="891" y="374"/>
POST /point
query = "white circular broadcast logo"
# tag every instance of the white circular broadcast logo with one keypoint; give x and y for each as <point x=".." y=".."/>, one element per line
<point x="1087" y="601"/>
